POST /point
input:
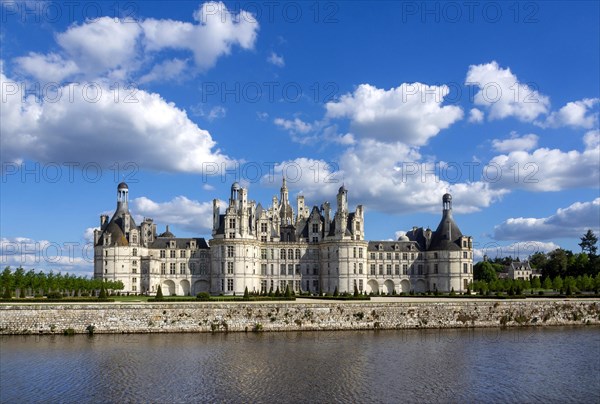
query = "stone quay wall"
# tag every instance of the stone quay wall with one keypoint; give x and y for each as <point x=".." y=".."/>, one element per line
<point x="50" y="318"/>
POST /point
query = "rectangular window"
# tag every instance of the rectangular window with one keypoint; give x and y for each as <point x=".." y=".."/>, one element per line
<point x="229" y="285"/>
<point x="172" y="268"/>
<point x="435" y="268"/>
<point x="272" y="254"/>
<point x="134" y="270"/>
<point x="230" y="251"/>
<point x="172" y="253"/>
<point x="354" y="252"/>
<point x="420" y="269"/>
<point x="315" y="239"/>
<point x="316" y="284"/>
<point x="232" y="223"/>
<point x="380" y="269"/>
<point x="263" y="239"/>
<point x="465" y="269"/>
<point x="297" y="254"/>
<point x="316" y="270"/>
<point x="282" y="254"/>
<point x="290" y="269"/>
<point x="263" y="227"/>
<point x="134" y="263"/>
<point x="282" y="286"/>
<point x="465" y="254"/>
<point x="412" y="256"/>
<point x="282" y="269"/>
<point x="404" y="256"/>
<point x="230" y="268"/>
<point x="372" y="269"/>
<point x="404" y="269"/>
<point x="163" y="268"/>
<point x="389" y="256"/>
<point x="360" y="285"/>
<point x="315" y="227"/>
<point x="380" y="256"/>
<point x="263" y="269"/>
<point x="388" y="269"/>
<point x="360" y="253"/>
<point x="360" y="268"/>
<point x="263" y="253"/>
<point x="162" y="254"/>
<point x="397" y="269"/>
<point x="182" y="268"/>
<point x="397" y="256"/>
<point x="297" y="269"/>
<point x="372" y="256"/>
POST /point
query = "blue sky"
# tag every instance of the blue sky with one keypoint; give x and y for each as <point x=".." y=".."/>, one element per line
<point x="401" y="101"/>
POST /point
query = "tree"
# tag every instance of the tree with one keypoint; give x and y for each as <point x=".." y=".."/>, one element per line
<point x="588" y="243"/>
<point x="159" y="293"/>
<point x="547" y="283"/>
<point x="536" y="283"/>
<point x="484" y="271"/>
<point x="355" y="291"/>
<point x="288" y="292"/>
<point x="335" y="292"/>
<point x="538" y="260"/>
<point x="246" y="294"/>
<point x="557" y="263"/>
<point x="557" y="283"/>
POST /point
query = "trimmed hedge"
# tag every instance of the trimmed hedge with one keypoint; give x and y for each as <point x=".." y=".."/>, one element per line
<point x="351" y="297"/>
<point x="62" y="299"/>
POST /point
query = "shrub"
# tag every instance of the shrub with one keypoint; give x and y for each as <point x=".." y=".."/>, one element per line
<point x="54" y="295"/>
<point x="335" y="292"/>
<point x="102" y="293"/>
<point x="452" y="292"/>
<point x="541" y="293"/>
<point x="246" y="294"/>
<point x="90" y="329"/>
<point x="68" y="331"/>
<point x="7" y="293"/>
<point x="203" y="296"/>
<point x="159" y="293"/>
<point x="258" y="327"/>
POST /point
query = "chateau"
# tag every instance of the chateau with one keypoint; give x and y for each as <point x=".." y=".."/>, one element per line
<point x="309" y="250"/>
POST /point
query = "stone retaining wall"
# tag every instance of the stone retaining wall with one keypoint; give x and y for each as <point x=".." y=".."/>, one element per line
<point x="219" y="317"/>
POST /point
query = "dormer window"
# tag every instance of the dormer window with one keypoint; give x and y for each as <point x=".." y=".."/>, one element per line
<point x="380" y="246"/>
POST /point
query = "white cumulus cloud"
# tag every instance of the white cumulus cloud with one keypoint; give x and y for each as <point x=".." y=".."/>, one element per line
<point x="90" y="125"/>
<point x="411" y="113"/>
<point x="572" y="221"/>
<point x="501" y="93"/>
<point x="515" y="143"/>
<point x="184" y="213"/>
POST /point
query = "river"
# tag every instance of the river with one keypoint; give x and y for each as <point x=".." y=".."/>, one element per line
<point x="551" y="364"/>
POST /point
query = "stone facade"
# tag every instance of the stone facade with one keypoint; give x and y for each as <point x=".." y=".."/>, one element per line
<point x="263" y="249"/>
<point x="294" y="316"/>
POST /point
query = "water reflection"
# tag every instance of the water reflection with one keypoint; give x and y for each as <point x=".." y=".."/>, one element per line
<point x="386" y="366"/>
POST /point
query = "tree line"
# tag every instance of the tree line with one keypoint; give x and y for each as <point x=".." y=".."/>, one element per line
<point x="561" y="270"/>
<point x="23" y="284"/>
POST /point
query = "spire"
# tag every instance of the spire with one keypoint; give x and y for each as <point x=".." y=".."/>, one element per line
<point x="122" y="198"/>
